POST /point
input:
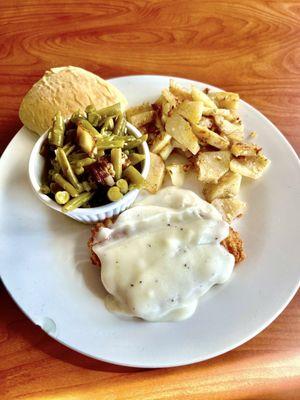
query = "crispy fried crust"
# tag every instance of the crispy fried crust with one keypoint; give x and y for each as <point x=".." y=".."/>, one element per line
<point x="107" y="223"/>
<point x="234" y="244"/>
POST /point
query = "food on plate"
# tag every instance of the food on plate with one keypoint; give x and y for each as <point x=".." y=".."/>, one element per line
<point x="204" y="126"/>
<point x="92" y="159"/>
<point x="178" y="128"/>
<point x="251" y="167"/>
<point x="158" y="257"/>
<point x="156" y="173"/>
<point x="230" y="208"/>
<point x="65" y="89"/>
<point x="212" y="165"/>
<point x="177" y="173"/>
<point x="234" y="244"/>
<point x="227" y="186"/>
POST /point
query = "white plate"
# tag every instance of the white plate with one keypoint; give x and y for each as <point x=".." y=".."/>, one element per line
<point x="45" y="262"/>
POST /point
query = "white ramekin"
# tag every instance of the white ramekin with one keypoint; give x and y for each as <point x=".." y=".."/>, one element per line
<point x="85" y="215"/>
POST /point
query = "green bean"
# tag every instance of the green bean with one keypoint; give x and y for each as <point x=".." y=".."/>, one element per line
<point x="84" y="162"/>
<point x="136" y="158"/>
<point x="109" y="111"/>
<point x="85" y="140"/>
<point x="78" y="201"/>
<point x="119" y="126"/>
<point x="133" y="175"/>
<point x="56" y="134"/>
<point x="76" y="116"/>
<point x="65" y="185"/>
<point x="66" y="167"/>
<point x="134" y="186"/>
<point x="45" y="189"/>
<point x="93" y="118"/>
<point x="108" y="125"/>
<point x="131" y="143"/>
<point x="62" y="197"/>
<point x="81" y="189"/>
<point x="106" y="143"/>
<point x="84" y="123"/>
<point x="92" y="115"/>
<point x="114" y="193"/>
<point x="77" y="156"/>
<point x="122" y="184"/>
<point x="90" y="108"/>
<point x="68" y="148"/>
<point x="79" y="170"/>
<point x="116" y="159"/>
<point x="124" y="128"/>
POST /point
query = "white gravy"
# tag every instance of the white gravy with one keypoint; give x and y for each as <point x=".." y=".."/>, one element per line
<point x="162" y="254"/>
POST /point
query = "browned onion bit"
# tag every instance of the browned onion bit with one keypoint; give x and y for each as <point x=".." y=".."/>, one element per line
<point x="102" y="171"/>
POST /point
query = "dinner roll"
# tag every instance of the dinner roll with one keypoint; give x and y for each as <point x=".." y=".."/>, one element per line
<point x="65" y="89"/>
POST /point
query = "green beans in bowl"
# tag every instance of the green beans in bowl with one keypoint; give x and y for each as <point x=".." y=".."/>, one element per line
<point x="91" y="166"/>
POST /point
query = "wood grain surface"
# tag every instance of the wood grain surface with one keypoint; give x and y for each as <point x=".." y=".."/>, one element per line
<point x="251" y="47"/>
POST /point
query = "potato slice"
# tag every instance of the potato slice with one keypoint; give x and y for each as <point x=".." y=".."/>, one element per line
<point x="158" y="124"/>
<point x="216" y="111"/>
<point x="156" y="173"/>
<point x="180" y="129"/>
<point x="166" y="151"/>
<point x="160" y="142"/>
<point x="225" y="99"/>
<point x="190" y="110"/>
<point x="230" y="208"/>
<point x="166" y="107"/>
<point x="141" y="119"/>
<point x="251" y="167"/>
<point x="198" y="95"/>
<point x="206" y="122"/>
<point x="232" y="117"/>
<point x="178" y="145"/>
<point x="178" y="91"/>
<point x="244" y="149"/>
<point x="138" y="109"/>
<point x="212" y="165"/>
<point x="228" y="186"/>
<point x="233" y="131"/>
<point x="177" y="174"/>
<point x="207" y="136"/>
<point x="169" y="97"/>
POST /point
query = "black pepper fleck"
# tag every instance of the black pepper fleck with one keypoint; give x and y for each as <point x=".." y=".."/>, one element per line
<point x="131" y="284"/>
<point x="141" y="281"/>
<point x="181" y="229"/>
<point x="149" y="245"/>
<point x="168" y="224"/>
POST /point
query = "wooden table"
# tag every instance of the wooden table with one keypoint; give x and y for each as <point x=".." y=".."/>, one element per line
<point x="251" y="47"/>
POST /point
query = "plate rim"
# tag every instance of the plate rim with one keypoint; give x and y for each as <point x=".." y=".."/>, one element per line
<point x="192" y="360"/>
